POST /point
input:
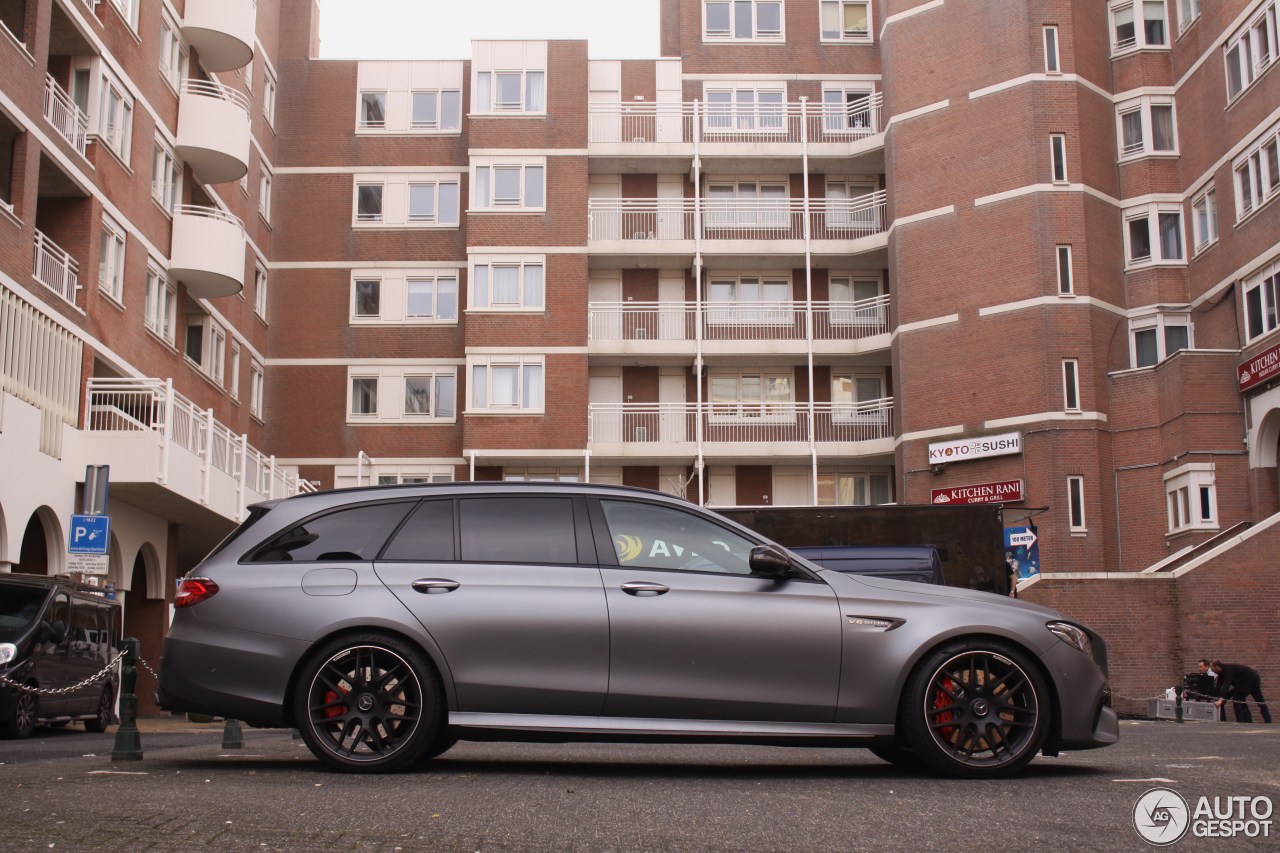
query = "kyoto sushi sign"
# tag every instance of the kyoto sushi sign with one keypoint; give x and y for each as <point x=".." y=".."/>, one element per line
<point x="980" y="493"/>
<point x="975" y="448"/>
<point x="1260" y="368"/>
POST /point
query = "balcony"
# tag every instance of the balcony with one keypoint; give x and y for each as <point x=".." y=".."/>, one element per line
<point x="208" y="251"/>
<point x="161" y="446"/>
<point x="656" y="328"/>
<point x="213" y="131"/>
<point x="221" y="31"/>
<point x="67" y="118"/>
<point x="748" y="430"/>
<point x="55" y="269"/>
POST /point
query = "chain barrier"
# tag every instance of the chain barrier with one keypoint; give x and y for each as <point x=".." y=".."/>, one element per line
<point x="148" y="668"/>
<point x="1187" y="694"/>
<point x="58" y="691"/>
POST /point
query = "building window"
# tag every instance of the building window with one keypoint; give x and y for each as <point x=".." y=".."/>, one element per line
<point x="754" y="394"/>
<point x="1052" y="63"/>
<point x="749" y="300"/>
<point x="368" y="202"/>
<point x="164" y="176"/>
<point x="1258" y="173"/>
<point x="837" y="487"/>
<point x="1251" y="50"/>
<point x="542" y="475"/>
<point x="1155" y="337"/>
<point x="246" y="74"/>
<point x="414" y="475"/>
<point x="269" y="87"/>
<point x="173" y="54"/>
<point x="1066" y="278"/>
<point x="411" y="297"/>
<point x="1153" y="235"/>
<point x="511" y="91"/>
<point x="1191" y="497"/>
<point x="746" y="107"/>
<point x="507" y="383"/>
<point x="845" y="20"/>
<point x="111" y="260"/>
<point x="115" y="117"/>
<point x="206" y="346"/>
<point x="430" y="396"/>
<point x="162" y="302"/>
<point x="433" y="202"/>
<point x="1075" y="504"/>
<point x="1262" y="301"/>
<point x="1138" y="24"/>
<point x="849" y="109"/>
<point x="366" y="297"/>
<point x="742" y="20"/>
<point x="409" y="394"/>
<point x="1058" y="155"/>
<point x="1071" y="384"/>
<point x="858" y="300"/>
<point x="363" y="402"/>
<point x="235" y="371"/>
<point x="1204" y="219"/>
<point x="508" y="284"/>
<point x="518" y="184"/>
<point x="373" y="111"/>
<point x="746" y="204"/>
<point x="1188" y="13"/>
<point x="264" y="195"/>
<point x="440" y="109"/>
<point x="128" y="10"/>
<point x="256" y="381"/>
<point x="260" y="292"/>
<point x="432" y="298"/>
<point x="859" y="398"/>
<point x="1146" y="126"/>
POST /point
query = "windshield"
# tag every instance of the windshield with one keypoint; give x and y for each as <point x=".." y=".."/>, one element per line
<point x="19" y="607"/>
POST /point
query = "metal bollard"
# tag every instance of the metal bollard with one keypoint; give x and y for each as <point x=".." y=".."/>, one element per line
<point x="232" y="735"/>
<point x="128" y="745"/>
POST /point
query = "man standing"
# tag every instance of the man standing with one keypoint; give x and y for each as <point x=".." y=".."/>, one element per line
<point x="1238" y="682"/>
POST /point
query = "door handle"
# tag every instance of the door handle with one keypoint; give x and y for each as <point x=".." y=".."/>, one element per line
<point x="645" y="588"/>
<point x="434" y="586"/>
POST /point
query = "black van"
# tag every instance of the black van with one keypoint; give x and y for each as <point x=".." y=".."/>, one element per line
<point x="55" y="634"/>
<point x="919" y="563"/>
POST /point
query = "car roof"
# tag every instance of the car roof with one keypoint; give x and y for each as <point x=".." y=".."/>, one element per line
<point x="336" y="497"/>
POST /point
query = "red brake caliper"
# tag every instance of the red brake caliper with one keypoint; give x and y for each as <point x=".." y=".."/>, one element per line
<point x="334" y="710"/>
<point x="941" y="700"/>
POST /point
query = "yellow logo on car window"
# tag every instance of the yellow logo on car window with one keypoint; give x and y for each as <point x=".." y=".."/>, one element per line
<point x="628" y="547"/>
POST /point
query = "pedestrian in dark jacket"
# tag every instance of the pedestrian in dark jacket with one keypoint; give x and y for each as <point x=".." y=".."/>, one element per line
<point x="1238" y="682"/>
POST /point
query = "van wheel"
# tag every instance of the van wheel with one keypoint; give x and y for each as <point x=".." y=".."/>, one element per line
<point x="106" y="713"/>
<point x="23" y="722"/>
<point x="368" y="704"/>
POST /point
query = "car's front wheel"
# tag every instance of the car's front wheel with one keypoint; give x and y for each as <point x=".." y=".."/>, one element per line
<point x="976" y="709"/>
<point x="23" y="722"/>
<point x="105" y="714"/>
<point x="368" y="704"/>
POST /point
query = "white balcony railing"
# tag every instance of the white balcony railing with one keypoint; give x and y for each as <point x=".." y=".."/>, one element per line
<point x="738" y="422"/>
<point x="151" y="405"/>
<point x="212" y="89"/>
<point x="734" y="123"/>
<point x="67" y="118"/>
<point x="737" y="321"/>
<point x="735" y="219"/>
<point x="55" y="268"/>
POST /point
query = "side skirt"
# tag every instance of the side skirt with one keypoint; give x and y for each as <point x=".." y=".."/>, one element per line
<point x="548" y="728"/>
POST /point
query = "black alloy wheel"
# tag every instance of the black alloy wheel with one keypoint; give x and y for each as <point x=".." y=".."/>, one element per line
<point x="368" y="704"/>
<point x="24" y="717"/>
<point x="976" y="710"/>
<point x="105" y="715"/>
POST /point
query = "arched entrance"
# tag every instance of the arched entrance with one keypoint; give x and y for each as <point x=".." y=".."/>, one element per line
<point x="144" y="618"/>
<point x="39" y="554"/>
<point x="1264" y="446"/>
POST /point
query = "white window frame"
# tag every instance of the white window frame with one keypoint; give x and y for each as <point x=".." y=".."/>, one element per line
<point x="1186" y="488"/>
<point x="730" y="35"/>
<point x="1265" y="283"/>
<point x="847" y="308"/>
<point x="530" y="392"/>
<point x="1139" y="40"/>
<point x="1143" y="108"/>
<point x="396" y="475"/>
<point x="114" y="116"/>
<point x="260" y="286"/>
<point x="270" y="86"/>
<point x="166" y="176"/>
<point x="264" y="195"/>
<point x="740" y="201"/>
<point x="440" y="283"/>
<point x="758" y="409"/>
<point x="1065" y="271"/>
<point x="858" y="480"/>
<point x="395" y="193"/>
<point x="439" y="124"/>
<point x="257" y="380"/>
<point x="844" y="36"/>
<point x="1075" y="498"/>
<point x="235" y="372"/>
<point x="838" y="118"/>
<point x="1256" y="174"/>
<point x="531" y="102"/>
<point x="390" y="386"/>
<point x="484" y="184"/>
<point x="363" y="121"/>
<point x="1152" y="214"/>
<point x="739" y="310"/>
<point x="393" y="295"/>
<point x="213" y="348"/>
<point x="857" y="410"/>
<point x="1058" y="158"/>
<point x="1251" y="50"/>
<point x="111" y="253"/>
<point x="174" y="56"/>
<point x="364" y="377"/>
<point x="1052" y="51"/>
<point x="1159" y="322"/>
<point x="1204" y="218"/>
<point x="540" y="474"/>
<point x="128" y="10"/>
<point x="531" y="289"/>
<point x="162" y="304"/>
<point x="1188" y="14"/>
<point x="745" y="107"/>
<point x="1071" y="385"/>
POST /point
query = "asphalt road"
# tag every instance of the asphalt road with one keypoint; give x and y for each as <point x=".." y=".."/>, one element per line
<point x="60" y="791"/>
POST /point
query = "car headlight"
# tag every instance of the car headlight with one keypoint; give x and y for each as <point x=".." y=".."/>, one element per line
<point x="8" y="651"/>
<point x="1072" y="635"/>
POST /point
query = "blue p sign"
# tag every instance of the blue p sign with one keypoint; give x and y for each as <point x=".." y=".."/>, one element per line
<point x="90" y="534"/>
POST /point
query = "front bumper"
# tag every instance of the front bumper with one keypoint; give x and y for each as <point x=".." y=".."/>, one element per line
<point x="1086" y="719"/>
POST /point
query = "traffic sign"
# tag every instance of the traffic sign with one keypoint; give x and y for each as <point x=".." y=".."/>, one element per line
<point x="90" y="534"/>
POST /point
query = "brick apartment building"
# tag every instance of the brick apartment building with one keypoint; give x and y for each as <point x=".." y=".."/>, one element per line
<point x="819" y="252"/>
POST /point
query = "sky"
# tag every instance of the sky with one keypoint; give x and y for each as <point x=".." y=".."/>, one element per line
<point x="416" y="29"/>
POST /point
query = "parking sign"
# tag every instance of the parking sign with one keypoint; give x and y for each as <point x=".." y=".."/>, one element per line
<point x="90" y="534"/>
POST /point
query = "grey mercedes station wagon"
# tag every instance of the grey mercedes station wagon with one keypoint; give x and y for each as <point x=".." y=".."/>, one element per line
<point x="388" y="623"/>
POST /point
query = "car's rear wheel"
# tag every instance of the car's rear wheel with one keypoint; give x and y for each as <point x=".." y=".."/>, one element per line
<point x="105" y="715"/>
<point x="976" y="709"/>
<point x="368" y="704"/>
<point x="23" y="722"/>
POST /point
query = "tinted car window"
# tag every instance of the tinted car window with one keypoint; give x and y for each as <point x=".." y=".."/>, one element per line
<point x="19" y="607"/>
<point x="426" y="536"/>
<point x="357" y="533"/>
<point x="518" y="530"/>
<point x="656" y="537"/>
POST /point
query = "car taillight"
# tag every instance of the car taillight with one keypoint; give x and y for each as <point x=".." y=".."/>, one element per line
<point x="193" y="591"/>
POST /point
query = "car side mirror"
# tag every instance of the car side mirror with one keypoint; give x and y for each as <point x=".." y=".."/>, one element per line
<point x="770" y="562"/>
<point x="53" y="632"/>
